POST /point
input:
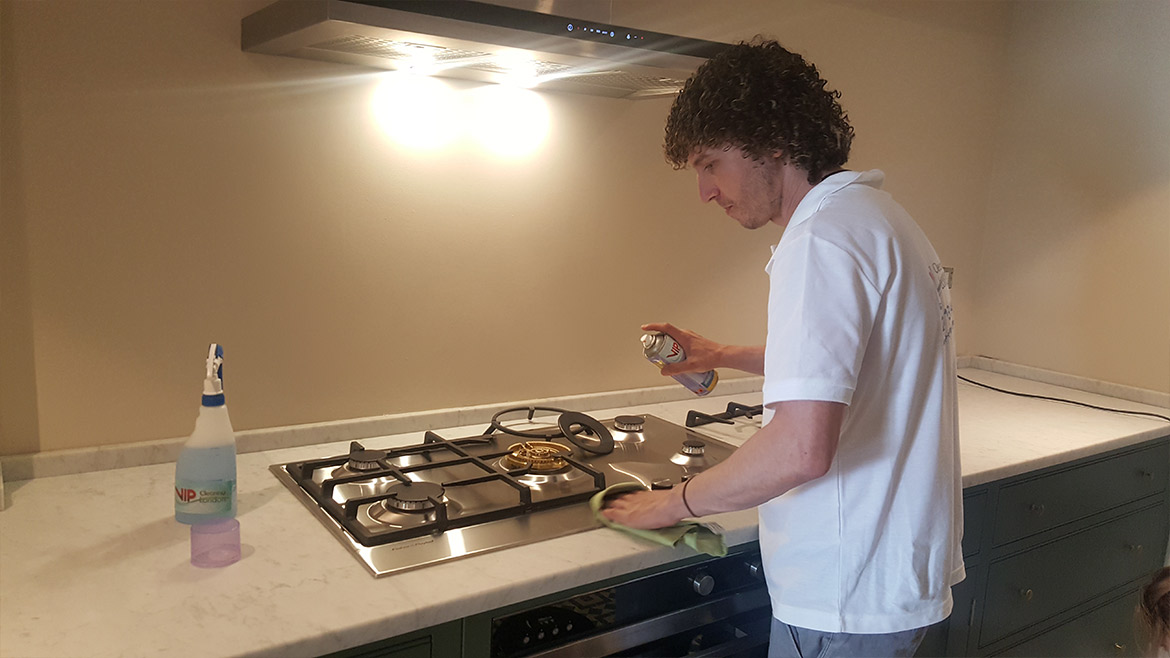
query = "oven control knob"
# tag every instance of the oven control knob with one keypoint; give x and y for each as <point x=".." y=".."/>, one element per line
<point x="755" y="569"/>
<point x="703" y="583"/>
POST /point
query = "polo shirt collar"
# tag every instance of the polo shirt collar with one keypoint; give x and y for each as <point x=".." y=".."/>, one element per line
<point x="812" y="201"/>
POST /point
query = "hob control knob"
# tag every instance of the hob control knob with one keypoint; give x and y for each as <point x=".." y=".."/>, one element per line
<point x="703" y="583"/>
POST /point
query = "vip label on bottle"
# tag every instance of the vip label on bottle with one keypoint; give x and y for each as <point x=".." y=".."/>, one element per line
<point x="205" y="497"/>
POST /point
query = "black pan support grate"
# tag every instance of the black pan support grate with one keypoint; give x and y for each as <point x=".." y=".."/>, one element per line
<point x="432" y="445"/>
<point x="734" y="410"/>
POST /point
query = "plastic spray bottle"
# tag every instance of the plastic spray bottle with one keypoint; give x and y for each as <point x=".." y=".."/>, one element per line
<point x="205" y="475"/>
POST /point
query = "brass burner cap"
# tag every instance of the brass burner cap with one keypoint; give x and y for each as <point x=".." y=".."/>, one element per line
<point x="536" y="456"/>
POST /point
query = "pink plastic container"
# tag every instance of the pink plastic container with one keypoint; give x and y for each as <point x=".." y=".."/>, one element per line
<point x="215" y="544"/>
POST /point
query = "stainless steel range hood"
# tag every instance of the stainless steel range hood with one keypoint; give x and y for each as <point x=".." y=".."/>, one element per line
<point x="483" y="41"/>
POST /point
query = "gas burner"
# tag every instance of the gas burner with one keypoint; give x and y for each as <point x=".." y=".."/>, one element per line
<point x="364" y="461"/>
<point x="692" y="456"/>
<point x="628" y="432"/>
<point x="629" y="423"/>
<point x="581" y="430"/>
<point x="536" y="456"/>
<point x="413" y="496"/>
<point x="383" y="515"/>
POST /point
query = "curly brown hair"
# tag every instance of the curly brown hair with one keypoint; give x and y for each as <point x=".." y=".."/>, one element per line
<point x="764" y="99"/>
<point x="1154" y="610"/>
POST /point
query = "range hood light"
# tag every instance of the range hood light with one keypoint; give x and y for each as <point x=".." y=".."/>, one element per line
<point x="518" y="69"/>
<point x="420" y="58"/>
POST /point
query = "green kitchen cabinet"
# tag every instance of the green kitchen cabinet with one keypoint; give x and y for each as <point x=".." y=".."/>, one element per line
<point x="1106" y="630"/>
<point x="1055" y="557"/>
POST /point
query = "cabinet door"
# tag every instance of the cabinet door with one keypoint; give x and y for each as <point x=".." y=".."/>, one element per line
<point x="1106" y="631"/>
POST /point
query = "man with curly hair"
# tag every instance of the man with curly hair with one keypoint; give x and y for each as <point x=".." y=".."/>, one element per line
<point x="856" y="468"/>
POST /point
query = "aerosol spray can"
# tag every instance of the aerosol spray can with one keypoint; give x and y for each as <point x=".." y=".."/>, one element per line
<point x="661" y="349"/>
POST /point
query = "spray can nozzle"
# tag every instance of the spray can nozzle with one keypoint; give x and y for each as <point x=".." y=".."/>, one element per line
<point x="213" y="382"/>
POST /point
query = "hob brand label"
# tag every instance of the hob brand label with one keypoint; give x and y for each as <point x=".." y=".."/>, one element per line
<point x="204" y="497"/>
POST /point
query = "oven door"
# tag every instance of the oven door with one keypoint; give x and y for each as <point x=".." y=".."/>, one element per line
<point x="714" y="608"/>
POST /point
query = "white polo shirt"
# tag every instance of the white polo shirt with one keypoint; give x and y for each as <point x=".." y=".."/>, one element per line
<point x="859" y="313"/>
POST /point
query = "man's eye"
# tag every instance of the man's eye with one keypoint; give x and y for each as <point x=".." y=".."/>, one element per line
<point x="709" y="168"/>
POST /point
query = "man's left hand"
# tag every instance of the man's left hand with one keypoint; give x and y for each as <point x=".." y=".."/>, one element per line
<point x="646" y="510"/>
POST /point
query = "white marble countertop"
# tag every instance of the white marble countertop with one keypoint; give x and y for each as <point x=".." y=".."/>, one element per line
<point x="93" y="564"/>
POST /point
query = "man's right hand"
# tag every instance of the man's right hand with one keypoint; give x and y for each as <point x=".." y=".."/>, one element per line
<point x="702" y="354"/>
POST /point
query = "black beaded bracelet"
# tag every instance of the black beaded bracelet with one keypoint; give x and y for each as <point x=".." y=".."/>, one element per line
<point x="684" y="497"/>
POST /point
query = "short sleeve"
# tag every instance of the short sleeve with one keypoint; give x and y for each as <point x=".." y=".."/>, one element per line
<point x="821" y="309"/>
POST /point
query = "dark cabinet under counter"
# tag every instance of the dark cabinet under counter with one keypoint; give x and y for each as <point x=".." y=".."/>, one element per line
<point x="1056" y="557"/>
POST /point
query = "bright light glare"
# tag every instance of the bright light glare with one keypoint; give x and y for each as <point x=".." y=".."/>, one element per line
<point x="520" y="68"/>
<point x="509" y="121"/>
<point x="419" y="58"/>
<point x="416" y="111"/>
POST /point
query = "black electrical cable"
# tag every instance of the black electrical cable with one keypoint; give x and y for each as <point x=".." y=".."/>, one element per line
<point x="1079" y="404"/>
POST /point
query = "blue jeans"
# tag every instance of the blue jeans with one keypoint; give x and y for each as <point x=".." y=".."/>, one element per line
<point x="795" y="642"/>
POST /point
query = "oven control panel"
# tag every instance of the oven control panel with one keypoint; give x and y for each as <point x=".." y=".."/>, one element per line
<point x="645" y="614"/>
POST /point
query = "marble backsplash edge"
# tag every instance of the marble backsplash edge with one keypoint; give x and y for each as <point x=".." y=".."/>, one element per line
<point x="1098" y="387"/>
<point x="141" y="453"/>
<point x="64" y="462"/>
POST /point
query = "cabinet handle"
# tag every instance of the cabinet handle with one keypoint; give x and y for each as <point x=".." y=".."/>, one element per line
<point x="1036" y="508"/>
<point x="1146" y="474"/>
<point x="1120" y="647"/>
<point x="1134" y="548"/>
<point x="1026" y="594"/>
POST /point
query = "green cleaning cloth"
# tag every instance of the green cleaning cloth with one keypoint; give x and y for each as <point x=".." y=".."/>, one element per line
<point x="698" y="536"/>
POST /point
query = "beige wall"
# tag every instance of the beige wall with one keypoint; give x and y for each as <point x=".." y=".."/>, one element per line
<point x="1075" y="259"/>
<point x="162" y="189"/>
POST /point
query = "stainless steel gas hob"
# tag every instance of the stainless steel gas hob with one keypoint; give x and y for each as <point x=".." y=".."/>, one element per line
<point x="524" y="479"/>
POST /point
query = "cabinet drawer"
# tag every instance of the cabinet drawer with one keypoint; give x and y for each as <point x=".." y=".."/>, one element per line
<point x="1033" y="506"/>
<point x="440" y="641"/>
<point x="1106" y="631"/>
<point x="1029" y="587"/>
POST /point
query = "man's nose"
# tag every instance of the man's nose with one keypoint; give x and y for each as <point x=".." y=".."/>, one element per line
<point x="707" y="190"/>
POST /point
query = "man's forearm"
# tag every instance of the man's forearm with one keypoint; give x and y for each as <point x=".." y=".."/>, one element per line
<point x="748" y="358"/>
<point x="796" y="447"/>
